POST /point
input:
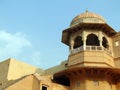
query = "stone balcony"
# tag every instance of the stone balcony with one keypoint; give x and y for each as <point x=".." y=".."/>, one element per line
<point x="91" y="56"/>
<point x="90" y="48"/>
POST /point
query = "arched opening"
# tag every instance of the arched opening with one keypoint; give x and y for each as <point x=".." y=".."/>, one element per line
<point x="78" y="42"/>
<point x="62" y="79"/>
<point x="105" y="42"/>
<point x="92" y="40"/>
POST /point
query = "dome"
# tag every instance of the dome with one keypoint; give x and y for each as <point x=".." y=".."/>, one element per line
<point x="87" y="17"/>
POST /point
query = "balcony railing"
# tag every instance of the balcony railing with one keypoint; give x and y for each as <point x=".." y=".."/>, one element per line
<point x="90" y="48"/>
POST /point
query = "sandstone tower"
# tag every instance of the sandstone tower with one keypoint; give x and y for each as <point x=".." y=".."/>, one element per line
<point x="94" y="59"/>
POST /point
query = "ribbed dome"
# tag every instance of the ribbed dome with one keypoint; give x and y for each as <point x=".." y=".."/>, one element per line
<point x="87" y="17"/>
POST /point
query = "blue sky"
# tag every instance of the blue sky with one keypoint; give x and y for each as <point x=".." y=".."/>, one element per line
<point x="31" y="30"/>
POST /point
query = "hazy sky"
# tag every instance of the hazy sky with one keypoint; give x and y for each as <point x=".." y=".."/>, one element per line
<point x="31" y="30"/>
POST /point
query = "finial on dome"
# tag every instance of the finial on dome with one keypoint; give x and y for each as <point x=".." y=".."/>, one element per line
<point x="86" y="10"/>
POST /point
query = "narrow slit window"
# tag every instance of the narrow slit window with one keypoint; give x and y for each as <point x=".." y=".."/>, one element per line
<point x="116" y="43"/>
<point x="44" y="87"/>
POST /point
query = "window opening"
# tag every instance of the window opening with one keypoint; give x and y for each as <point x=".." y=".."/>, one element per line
<point x="66" y="64"/>
<point x="105" y="42"/>
<point x="44" y="87"/>
<point x="92" y="40"/>
<point x="62" y="79"/>
<point x="78" y="42"/>
<point x="116" y="43"/>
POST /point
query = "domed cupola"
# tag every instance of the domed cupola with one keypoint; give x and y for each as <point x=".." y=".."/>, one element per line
<point x="87" y="17"/>
<point x="87" y="21"/>
<point x="88" y="37"/>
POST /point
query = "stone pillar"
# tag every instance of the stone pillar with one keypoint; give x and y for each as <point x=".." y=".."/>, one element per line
<point x="100" y="42"/>
<point x="84" y="44"/>
<point x="100" y="38"/>
<point x="84" y="40"/>
<point x="71" y="45"/>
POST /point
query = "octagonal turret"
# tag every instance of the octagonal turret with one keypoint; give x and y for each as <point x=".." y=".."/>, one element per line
<point x="90" y="41"/>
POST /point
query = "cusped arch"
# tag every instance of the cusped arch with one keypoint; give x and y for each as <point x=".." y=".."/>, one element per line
<point x="78" y="42"/>
<point x="105" y="42"/>
<point x="92" y="40"/>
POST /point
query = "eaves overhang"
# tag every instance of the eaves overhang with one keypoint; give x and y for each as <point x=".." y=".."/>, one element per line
<point x="113" y="73"/>
<point x="84" y="26"/>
